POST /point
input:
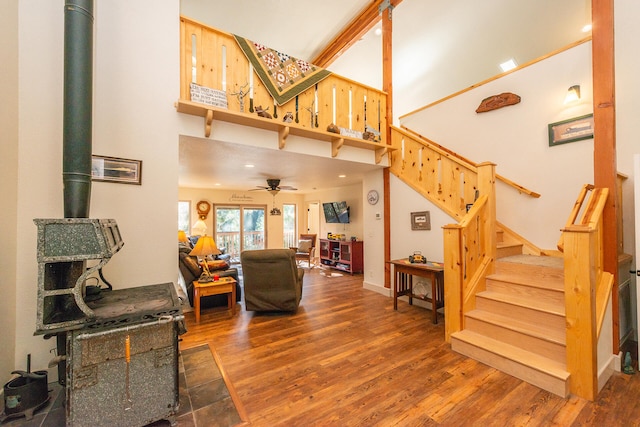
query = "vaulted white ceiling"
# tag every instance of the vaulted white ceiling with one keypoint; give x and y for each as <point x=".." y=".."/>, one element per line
<point x="439" y="48"/>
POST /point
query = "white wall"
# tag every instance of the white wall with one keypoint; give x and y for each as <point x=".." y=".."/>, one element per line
<point x="135" y="85"/>
<point x="627" y="34"/>
<point x="8" y="181"/>
<point x="516" y="139"/>
<point x="352" y="194"/>
<point x="373" y="236"/>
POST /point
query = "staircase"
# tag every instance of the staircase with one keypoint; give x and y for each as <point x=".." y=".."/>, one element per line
<point x="505" y="246"/>
<point x="518" y="324"/>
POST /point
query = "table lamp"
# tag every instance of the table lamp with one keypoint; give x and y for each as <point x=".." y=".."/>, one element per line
<point x="204" y="247"/>
<point x="199" y="228"/>
<point x="182" y="236"/>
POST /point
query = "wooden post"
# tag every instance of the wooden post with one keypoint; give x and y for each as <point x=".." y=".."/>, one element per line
<point x="387" y="86"/>
<point x="604" y="139"/>
<point x="453" y="280"/>
<point x="580" y="286"/>
<point x="487" y="185"/>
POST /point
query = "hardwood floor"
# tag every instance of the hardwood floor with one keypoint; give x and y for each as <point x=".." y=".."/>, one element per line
<point x="346" y="358"/>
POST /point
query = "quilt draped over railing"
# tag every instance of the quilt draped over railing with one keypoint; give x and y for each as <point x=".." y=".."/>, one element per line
<point x="284" y="76"/>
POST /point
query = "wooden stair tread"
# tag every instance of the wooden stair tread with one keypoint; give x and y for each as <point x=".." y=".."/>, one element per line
<point x="541" y="261"/>
<point x="540" y="305"/>
<point x="547" y="283"/>
<point x="537" y="330"/>
<point x="507" y="244"/>
<point x="518" y="355"/>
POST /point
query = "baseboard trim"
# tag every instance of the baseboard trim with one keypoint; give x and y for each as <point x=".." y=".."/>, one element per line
<point x="608" y="369"/>
<point x="376" y="288"/>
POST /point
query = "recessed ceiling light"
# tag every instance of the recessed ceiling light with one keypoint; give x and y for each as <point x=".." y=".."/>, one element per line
<point x="342" y="176"/>
<point x="249" y="166"/>
<point x="217" y="183"/>
<point x="586" y="28"/>
<point x="508" y="65"/>
<point x="377" y="31"/>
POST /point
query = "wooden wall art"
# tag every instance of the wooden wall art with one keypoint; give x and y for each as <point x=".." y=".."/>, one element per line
<point x="498" y="101"/>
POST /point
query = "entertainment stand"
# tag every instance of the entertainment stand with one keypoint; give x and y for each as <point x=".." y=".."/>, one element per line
<point x="343" y="255"/>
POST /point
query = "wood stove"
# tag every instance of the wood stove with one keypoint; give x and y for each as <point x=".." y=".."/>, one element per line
<point x="118" y="353"/>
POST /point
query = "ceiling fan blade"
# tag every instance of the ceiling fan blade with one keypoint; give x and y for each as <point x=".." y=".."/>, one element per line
<point x="287" y="187"/>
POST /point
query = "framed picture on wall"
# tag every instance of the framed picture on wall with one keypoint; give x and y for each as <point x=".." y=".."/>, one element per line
<point x="114" y="169"/>
<point x="420" y="220"/>
<point x="571" y="130"/>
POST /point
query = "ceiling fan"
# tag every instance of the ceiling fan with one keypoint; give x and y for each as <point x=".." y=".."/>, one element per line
<point x="273" y="186"/>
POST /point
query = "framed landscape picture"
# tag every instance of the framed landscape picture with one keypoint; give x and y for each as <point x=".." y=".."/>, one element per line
<point x="571" y="130"/>
<point x="114" y="169"/>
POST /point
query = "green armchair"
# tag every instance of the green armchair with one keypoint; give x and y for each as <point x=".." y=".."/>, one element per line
<point x="272" y="280"/>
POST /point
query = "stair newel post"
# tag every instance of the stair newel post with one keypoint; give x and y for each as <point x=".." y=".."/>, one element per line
<point x="580" y="289"/>
<point x="453" y="280"/>
<point x="487" y="186"/>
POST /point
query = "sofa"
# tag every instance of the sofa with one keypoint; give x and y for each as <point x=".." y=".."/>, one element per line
<point x="191" y="270"/>
<point x="272" y="280"/>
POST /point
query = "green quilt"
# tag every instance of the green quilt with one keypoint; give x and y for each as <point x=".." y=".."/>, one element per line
<point x="284" y="76"/>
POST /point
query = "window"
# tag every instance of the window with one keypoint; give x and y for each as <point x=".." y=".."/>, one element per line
<point x="289" y="225"/>
<point x="240" y="227"/>
<point x="184" y="216"/>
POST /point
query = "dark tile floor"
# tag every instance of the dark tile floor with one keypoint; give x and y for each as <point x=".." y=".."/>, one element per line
<point x="204" y="397"/>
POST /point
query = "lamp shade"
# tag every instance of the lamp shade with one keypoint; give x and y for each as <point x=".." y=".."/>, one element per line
<point x="199" y="228"/>
<point x="573" y="94"/>
<point x="182" y="236"/>
<point x="205" y="246"/>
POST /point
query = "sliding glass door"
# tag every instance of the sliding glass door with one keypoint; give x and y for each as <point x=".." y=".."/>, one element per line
<point x="240" y="227"/>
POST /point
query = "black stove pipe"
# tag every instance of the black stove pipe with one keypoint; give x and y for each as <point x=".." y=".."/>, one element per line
<point x="78" y="96"/>
<point x="76" y="138"/>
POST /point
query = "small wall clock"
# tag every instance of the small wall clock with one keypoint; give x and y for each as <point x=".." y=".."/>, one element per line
<point x="203" y="208"/>
<point x="373" y="197"/>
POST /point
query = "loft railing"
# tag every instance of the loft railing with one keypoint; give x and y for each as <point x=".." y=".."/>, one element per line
<point x="587" y="289"/>
<point x="212" y="58"/>
<point x="470" y="253"/>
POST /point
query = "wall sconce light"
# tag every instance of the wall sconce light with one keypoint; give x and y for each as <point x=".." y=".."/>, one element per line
<point x="573" y="94"/>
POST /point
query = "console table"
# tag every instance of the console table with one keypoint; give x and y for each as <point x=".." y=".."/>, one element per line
<point x="403" y="282"/>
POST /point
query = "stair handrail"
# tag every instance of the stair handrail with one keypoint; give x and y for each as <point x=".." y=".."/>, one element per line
<point x="466" y="161"/>
<point x="469" y="253"/>
<point x="587" y="289"/>
<point x="577" y="206"/>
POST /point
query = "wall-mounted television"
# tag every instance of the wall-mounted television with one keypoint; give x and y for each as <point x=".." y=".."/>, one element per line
<point x="330" y="215"/>
<point x="342" y="211"/>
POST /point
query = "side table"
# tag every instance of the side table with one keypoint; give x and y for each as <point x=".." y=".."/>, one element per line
<point x="403" y="282"/>
<point x="224" y="285"/>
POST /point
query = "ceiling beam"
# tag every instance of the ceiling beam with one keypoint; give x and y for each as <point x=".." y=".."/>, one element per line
<point x="353" y="32"/>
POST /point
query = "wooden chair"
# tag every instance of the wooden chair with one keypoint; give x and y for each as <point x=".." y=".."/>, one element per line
<point x="305" y="251"/>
